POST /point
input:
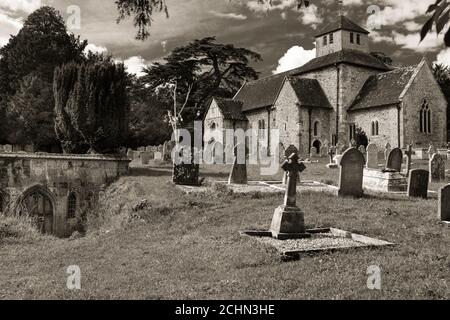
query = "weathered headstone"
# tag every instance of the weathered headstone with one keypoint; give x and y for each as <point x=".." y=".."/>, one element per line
<point x="351" y="175"/>
<point x="238" y="173"/>
<point x="339" y="148"/>
<point x="418" y="183"/>
<point x="437" y="168"/>
<point x="395" y="160"/>
<point x="372" y="156"/>
<point x="146" y="156"/>
<point x="158" y="156"/>
<point x="130" y="154"/>
<point x="8" y="148"/>
<point x="324" y="149"/>
<point x="288" y="220"/>
<point x="185" y="173"/>
<point x="431" y="150"/>
<point x="409" y="153"/>
<point x="363" y="150"/>
<point x="331" y="153"/>
<point x="387" y="150"/>
<point x="444" y="203"/>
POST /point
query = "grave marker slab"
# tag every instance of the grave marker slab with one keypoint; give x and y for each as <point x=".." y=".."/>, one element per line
<point x="418" y="183"/>
<point x="444" y="203"/>
<point x="238" y="173"/>
<point x="351" y="175"/>
<point x="437" y="168"/>
<point x="372" y="156"/>
<point x="395" y="160"/>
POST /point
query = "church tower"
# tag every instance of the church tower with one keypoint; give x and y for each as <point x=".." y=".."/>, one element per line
<point x="341" y="34"/>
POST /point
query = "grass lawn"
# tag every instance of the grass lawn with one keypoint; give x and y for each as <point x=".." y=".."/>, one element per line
<point x="188" y="247"/>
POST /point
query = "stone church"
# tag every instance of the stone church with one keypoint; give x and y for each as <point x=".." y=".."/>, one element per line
<point x="325" y="100"/>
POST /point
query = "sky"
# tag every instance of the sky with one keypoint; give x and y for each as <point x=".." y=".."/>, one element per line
<point x="281" y="33"/>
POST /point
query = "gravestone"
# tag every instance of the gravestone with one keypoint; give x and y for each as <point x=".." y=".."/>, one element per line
<point x="387" y="150"/>
<point x="8" y="148"/>
<point x="351" y="175"/>
<point x="372" y="156"/>
<point x="418" y="183"/>
<point x="331" y="153"/>
<point x="353" y="143"/>
<point x="363" y="150"/>
<point x="158" y="156"/>
<point x="238" y="173"/>
<point x="431" y="150"/>
<point x="409" y="153"/>
<point x="288" y="220"/>
<point x="146" y="156"/>
<point x="395" y="160"/>
<point x="339" y="149"/>
<point x="437" y="168"/>
<point x="444" y="203"/>
<point x="324" y="149"/>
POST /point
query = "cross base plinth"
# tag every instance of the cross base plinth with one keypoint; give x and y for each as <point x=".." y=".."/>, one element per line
<point x="288" y="223"/>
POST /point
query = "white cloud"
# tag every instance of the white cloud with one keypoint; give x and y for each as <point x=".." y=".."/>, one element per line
<point x="135" y="65"/>
<point x="310" y="16"/>
<point x="270" y="5"/>
<point x="231" y="15"/>
<point x="94" y="48"/>
<point x="412" y="26"/>
<point x="8" y="26"/>
<point x="295" y="57"/>
<point x="444" y="57"/>
<point x="396" y="11"/>
<point x="412" y="41"/>
<point x="26" y="6"/>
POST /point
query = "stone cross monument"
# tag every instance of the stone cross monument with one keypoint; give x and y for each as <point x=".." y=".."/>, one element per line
<point x="288" y="220"/>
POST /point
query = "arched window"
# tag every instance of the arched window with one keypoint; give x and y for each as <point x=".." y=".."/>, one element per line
<point x="316" y="128"/>
<point x="373" y="128"/>
<point x="71" y="205"/>
<point x="425" y="118"/>
<point x="377" y="128"/>
<point x="213" y="126"/>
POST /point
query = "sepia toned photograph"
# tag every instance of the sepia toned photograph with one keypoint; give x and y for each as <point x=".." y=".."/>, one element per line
<point x="224" y="158"/>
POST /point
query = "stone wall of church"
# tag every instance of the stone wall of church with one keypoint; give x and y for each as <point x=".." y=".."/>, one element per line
<point x="254" y="117"/>
<point x="424" y="87"/>
<point x="387" y="118"/>
<point x="351" y="83"/>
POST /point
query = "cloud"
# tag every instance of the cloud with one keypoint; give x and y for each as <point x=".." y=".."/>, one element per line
<point x="310" y="16"/>
<point x="412" y="26"/>
<point x="135" y="65"/>
<point x="231" y="15"/>
<point x="270" y="5"/>
<point x="8" y="26"/>
<point x="295" y="57"/>
<point x="396" y="11"/>
<point x="443" y="57"/>
<point x="412" y="41"/>
<point x="26" y="6"/>
<point x="94" y="48"/>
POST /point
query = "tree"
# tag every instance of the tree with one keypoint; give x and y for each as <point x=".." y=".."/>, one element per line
<point x="142" y="11"/>
<point x="27" y="62"/>
<point x="361" y="138"/>
<point x="202" y="69"/>
<point x="442" y="76"/>
<point x="381" y="56"/>
<point x="440" y="18"/>
<point x="32" y="114"/>
<point x="92" y="106"/>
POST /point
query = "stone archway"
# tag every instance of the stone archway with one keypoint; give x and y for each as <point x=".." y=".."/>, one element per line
<point x="38" y="204"/>
<point x="316" y="147"/>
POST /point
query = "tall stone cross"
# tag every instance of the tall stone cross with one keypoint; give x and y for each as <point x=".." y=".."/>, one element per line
<point x="293" y="168"/>
<point x="409" y="152"/>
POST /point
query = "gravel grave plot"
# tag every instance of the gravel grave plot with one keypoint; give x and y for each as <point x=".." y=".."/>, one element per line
<point x="320" y="240"/>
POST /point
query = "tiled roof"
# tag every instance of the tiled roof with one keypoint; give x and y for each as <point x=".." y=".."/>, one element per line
<point x="260" y="93"/>
<point x="231" y="109"/>
<point x="309" y="92"/>
<point x="383" y="89"/>
<point x="341" y="23"/>
<point x="344" y="56"/>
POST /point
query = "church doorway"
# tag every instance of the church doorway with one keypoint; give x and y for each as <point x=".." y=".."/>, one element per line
<point x="316" y="147"/>
<point x="38" y="206"/>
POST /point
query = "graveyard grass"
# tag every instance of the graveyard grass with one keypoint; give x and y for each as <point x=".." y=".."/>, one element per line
<point x="188" y="247"/>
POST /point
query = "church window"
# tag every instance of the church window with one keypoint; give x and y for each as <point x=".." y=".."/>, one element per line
<point x="377" y="132"/>
<point x="213" y="126"/>
<point x="316" y="128"/>
<point x="71" y="206"/>
<point x="352" y="37"/>
<point x="325" y="40"/>
<point x="425" y="118"/>
<point x="358" y="38"/>
<point x="352" y="131"/>
<point x="331" y="38"/>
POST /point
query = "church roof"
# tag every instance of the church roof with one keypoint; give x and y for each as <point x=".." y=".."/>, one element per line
<point x="349" y="56"/>
<point x="341" y="23"/>
<point x="260" y="93"/>
<point x="231" y="109"/>
<point x="309" y="92"/>
<point x="384" y="88"/>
